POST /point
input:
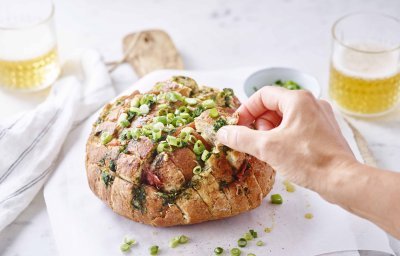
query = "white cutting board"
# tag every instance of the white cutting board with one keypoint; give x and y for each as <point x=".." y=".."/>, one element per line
<point x="83" y="225"/>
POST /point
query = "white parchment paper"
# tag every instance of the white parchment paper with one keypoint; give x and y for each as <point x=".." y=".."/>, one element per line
<point x="83" y="225"/>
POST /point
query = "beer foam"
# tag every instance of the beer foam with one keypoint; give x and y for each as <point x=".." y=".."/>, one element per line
<point x="376" y="65"/>
<point x="25" y="44"/>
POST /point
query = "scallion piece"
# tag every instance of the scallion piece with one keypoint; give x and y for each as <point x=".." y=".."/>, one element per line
<point x="260" y="243"/>
<point x="154" y="250"/>
<point x="235" y="252"/>
<point x="213" y="113"/>
<point x="198" y="147"/>
<point x="183" y="239"/>
<point x="205" y="155"/>
<point x="242" y="242"/>
<point x="187" y="130"/>
<point x="197" y="170"/>
<point x="158" y="126"/>
<point x="276" y="199"/>
<point x="185" y="115"/>
<point x="218" y="250"/>
<point x="178" y="121"/>
<point x="156" y="134"/>
<point x="135" y="102"/>
<point x="163" y="146"/>
<point x="144" y="109"/>
<point x="248" y="236"/>
<point x="192" y="139"/>
<point x="135" y="133"/>
<point x="135" y="110"/>
<point x="191" y="101"/>
<point x="251" y="254"/>
<point x="160" y="119"/>
<point x="174" y="242"/>
<point x="125" y="247"/>
<point x="105" y="137"/>
<point x="162" y="106"/>
<point x="170" y="117"/>
<point x="253" y="233"/>
<point x="208" y="104"/>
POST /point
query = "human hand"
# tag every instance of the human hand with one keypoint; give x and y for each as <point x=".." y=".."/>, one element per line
<point x="296" y="134"/>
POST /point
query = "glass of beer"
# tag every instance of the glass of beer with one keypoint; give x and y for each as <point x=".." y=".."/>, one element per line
<point x="365" y="64"/>
<point x="28" y="53"/>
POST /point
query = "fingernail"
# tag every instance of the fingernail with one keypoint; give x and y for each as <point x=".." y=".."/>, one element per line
<point x="222" y="135"/>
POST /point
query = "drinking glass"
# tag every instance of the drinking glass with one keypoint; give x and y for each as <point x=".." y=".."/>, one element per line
<point x="365" y="64"/>
<point x="28" y="49"/>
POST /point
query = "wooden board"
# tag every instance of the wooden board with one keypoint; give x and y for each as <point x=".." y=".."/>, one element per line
<point x="149" y="50"/>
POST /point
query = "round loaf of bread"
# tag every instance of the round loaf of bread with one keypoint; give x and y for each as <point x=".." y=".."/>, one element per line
<point x="154" y="158"/>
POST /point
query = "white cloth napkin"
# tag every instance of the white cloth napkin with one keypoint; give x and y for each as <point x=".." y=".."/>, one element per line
<point x="30" y="143"/>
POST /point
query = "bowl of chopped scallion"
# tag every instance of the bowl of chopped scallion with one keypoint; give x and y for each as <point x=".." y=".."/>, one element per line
<point x="288" y="78"/>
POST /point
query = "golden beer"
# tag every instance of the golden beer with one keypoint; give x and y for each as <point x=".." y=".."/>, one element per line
<point x="28" y="53"/>
<point x="365" y="64"/>
<point x="364" y="95"/>
<point x="30" y="74"/>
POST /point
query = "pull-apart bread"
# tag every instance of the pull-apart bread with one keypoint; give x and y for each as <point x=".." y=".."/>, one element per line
<point x="154" y="158"/>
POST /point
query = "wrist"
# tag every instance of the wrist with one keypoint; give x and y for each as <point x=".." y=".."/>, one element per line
<point x="341" y="180"/>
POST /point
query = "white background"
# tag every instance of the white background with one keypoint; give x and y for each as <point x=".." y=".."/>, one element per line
<point x="210" y="35"/>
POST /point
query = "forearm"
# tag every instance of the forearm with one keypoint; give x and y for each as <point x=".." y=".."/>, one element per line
<point x="368" y="192"/>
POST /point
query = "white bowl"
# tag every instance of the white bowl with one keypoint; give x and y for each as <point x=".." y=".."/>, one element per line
<point x="268" y="76"/>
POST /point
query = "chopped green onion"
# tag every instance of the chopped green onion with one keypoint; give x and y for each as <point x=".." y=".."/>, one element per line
<point x="162" y="112"/>
<point x="208" y="104"/>
<point x="153" y="250"/>
<point x="213" y="113"/>
<point x="135" y="102"/>
<point x="129" y="241"/>
<point x="160" y="119"/>
<point x="267" y="230"/>
<point x="218" y="250"/>
<point x="125" y="247"/>
<point x="251" y="254"/>
<point x="174" y="96"/>
<point x="253" y="233"/>
<point x="197" y="170"/>
<point x="183" y="239"/>
<point x="276" y="199"/>
<point x="248" y="236"/>
<point x="105" y="137"/>
<point x="162" y="106"/>
<point x="147" y="99"/>
<point x="144" y="109"/>
<point x="174" y="141"/>
<point x="192" y="139"/>
<point x="174" y="242"/>
<point x="163" y="146"/>
<point x="205" y="155"/>
<point x="242" y="242"/>
<point x="178" y="121"/>
<point x="191" y="101"/>
<point x="184" y="109"/>
<point x="170" y="117"/>
<point x="156" y="134"/>
<point x="185" y="115"/>
<point x="136" y="133"/>
<point x="158" y="126"/>
<point x="235" y="252"/>
<point x="198" y="147"/>
<point x="260" y="243"/>
<point x="187" y="130"/>
<point x="184" y="136"/>
<point x="123" y="120"/>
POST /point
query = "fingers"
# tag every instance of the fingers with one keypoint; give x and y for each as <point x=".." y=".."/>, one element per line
<point x="268" y="121"/>
<point x="271" y="98"/>
<point x="243" y="139"/>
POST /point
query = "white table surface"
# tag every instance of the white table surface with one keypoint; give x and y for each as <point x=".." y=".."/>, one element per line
<point x="210" y="35"/>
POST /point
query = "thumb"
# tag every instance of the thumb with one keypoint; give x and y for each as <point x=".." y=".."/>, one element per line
<point x="243" y="139"/>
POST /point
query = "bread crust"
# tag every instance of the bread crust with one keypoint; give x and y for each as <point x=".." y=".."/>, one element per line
<point x="159" y="188"/>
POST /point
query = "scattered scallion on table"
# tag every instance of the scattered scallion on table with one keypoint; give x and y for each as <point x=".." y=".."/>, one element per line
<point x="218" y="250"/>
<point x="276" y="199"/>
<point x="154" y="250"/>
<point x="235" y="252"/>
<point x="242" y="242"/>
